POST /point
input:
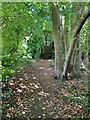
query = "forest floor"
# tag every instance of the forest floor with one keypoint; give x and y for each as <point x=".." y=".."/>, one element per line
<point x="36" y="94"/>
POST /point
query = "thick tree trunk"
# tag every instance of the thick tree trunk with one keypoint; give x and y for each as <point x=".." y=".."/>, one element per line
<point x="57" y="41"/>
<point x="72" y="45"/>
<point x="76" y="56"/>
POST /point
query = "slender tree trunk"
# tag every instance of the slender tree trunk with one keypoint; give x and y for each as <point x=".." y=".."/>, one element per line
<point x="66" y="42"/>
<point x="89" y="41"/>
<point x="77" y="58"/>
<point x="76" y="51"/>
<point x="57" y="41"/>
<point x="73" y="42"/>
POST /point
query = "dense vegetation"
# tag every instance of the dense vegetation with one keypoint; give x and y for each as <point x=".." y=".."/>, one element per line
<point x="33" y="31"/>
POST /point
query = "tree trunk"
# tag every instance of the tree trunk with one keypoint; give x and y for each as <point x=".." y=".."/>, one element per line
<point x="77" y="58"/>
<point x="76" y="55"/>
<point x="73" y="42"/>
<point x="89" y="40"/>
<point x="57" y="42"/>
<point x="66" y="42"/>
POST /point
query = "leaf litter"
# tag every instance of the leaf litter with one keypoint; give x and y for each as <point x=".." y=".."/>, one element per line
<point x="37" y="95"/>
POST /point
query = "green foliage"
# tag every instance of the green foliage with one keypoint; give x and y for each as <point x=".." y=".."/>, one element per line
<point x="21" y="20"/>
<point x="7" y="95"/>
<point x="84" y="38"/>
<point x="7" y="71"/>
<point x="77" y="99"/>
<point x="74" y="87"/>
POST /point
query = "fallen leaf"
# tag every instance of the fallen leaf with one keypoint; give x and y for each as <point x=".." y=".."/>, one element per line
<point x="41" y="68"/>
<point x="36" y="86"/>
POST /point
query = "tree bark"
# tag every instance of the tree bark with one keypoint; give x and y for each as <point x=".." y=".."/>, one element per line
<point x="66" y="42"/>
<point x="76" y="55"/>
<point x="88" y="39"/>
<point x="57" y="41"/>
<point x="77" y="58"/>
<point x="73" y="42"/>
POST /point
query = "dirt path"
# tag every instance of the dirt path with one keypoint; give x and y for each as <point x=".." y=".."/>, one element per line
<point x="38" y="95"/>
